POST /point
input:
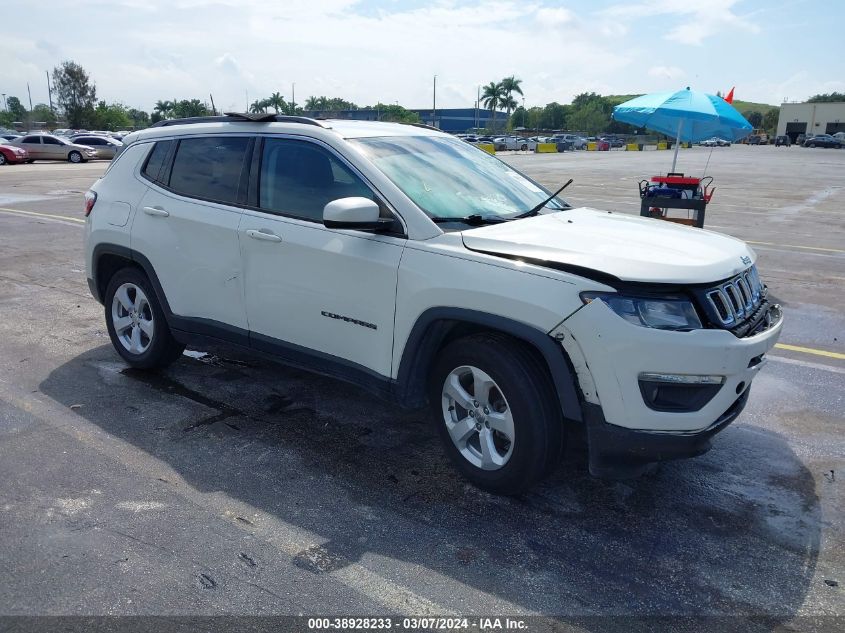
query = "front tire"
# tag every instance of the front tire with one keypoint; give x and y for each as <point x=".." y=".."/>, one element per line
<point x="2" y="159"/>
<point x="496" y="412"/>
<point x="136" y="323"/>
<point x="74" y="157"/>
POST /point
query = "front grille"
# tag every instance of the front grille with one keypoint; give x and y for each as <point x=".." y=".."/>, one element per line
<point x="733" y="301"/>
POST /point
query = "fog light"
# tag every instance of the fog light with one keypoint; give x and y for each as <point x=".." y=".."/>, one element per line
<point x="680" y="393"/>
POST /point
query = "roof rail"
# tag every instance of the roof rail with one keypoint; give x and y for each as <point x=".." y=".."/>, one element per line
<point x="259" y="117"/>
<point x="424" y="125"/>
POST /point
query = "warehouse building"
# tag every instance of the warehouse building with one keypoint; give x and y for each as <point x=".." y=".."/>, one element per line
<point x="811" y="119"/>
<point x="454" y="120"/>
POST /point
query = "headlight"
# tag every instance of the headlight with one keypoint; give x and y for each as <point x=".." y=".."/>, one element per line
<point x="662" y="314"/>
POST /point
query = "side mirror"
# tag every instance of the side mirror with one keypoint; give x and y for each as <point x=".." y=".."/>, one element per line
<point x="354" y="213"/>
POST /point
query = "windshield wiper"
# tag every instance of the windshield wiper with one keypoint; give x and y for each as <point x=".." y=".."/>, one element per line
<point x="476" y="219"/>
<point x="536" y="209"/>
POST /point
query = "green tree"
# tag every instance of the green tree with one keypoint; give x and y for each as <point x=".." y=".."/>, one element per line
<point x="591" y="98"/>
<point x="16" y="108"/>
<point x="554" y="116"/>
<point x="770" y="120"/>
<point x="277" y="102"/>
<point x="110" y="117"/>
<point x="394" y="112"/>
<point x="590" y="118"/>
<point x="832" y="97"/>
<point x="139" y="118"/>
<point x="258" y="106"/>
<point x="754" y="117"/>
<point x="190" y="107"/>
<point x="162" y="110"/>
<point x="42" y="113"/>
<point x="491" y="97"/>
<point x="510" y="85"/>
<point x="75" y="93"/>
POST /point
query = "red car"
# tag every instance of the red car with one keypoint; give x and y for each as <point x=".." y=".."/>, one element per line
<point x="12" y="154"/>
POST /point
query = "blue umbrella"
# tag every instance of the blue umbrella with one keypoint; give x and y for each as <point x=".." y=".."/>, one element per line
<point x="686" y="114"/>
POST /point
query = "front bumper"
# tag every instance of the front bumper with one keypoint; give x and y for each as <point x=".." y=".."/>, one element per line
<point x="619" y="453"/>
<point x="614" y="353"/>
<point x="609" y="355"/>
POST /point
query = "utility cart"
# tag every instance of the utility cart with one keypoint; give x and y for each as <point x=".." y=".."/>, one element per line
<point x="673" y="191"/>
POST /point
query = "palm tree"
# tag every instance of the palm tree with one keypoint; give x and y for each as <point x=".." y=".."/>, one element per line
<point x="492" y="97"/>
<point x="511" y="85"/>
<point x="259" y="105"/>
<point x="164" y="109"/>
<point x="311" y="103"/>
<point x="277" y="102"/>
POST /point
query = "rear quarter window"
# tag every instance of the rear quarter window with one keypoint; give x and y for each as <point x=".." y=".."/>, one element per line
<point x="155" y="161"/>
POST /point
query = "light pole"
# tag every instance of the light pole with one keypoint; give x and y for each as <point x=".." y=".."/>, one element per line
<point x="523" y="111"/>
<point x="5" y="106"/>
<point x="293" y="97"/>
<point x="49" y="92"/>
<point x="434" y="104"/>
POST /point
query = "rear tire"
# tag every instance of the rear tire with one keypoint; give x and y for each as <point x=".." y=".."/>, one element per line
<point x="136" y="323"/>
<point x="496" y="411"/>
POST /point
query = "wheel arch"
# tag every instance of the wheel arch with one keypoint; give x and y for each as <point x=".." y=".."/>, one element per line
<point x="107" y="259"/>
<point x="437" y="327"/>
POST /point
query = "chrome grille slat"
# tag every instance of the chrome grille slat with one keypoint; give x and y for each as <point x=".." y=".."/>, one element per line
<point x="736" y="299"/>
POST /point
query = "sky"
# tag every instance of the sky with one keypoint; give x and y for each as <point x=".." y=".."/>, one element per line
<point x="140" y="51"/>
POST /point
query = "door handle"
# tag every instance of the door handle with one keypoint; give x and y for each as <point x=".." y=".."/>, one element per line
<point x="156" y="211"/>
<point x="265" y="235"/>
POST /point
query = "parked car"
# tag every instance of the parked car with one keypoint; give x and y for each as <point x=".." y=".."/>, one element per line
<point x="49" y="147"/>
<point x="715" y="141"/>
<point x="11" y="154"/>
<point x="106" y="147"/>
<point x="504" y="143"/>
<point x="9" y="137"/>
<point x="754" y="139"/>
<point x="613" y="141"/>
<point x="414" y="265"/>
<point x="840" y="136"/>
<point x="575" y="141"/>
<point x="822" y="140"/>
<point x="799" y="140"/>
<point x="783" y="139"/>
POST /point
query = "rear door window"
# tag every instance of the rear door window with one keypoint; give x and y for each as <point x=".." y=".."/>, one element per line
<point x="209" y="168"/>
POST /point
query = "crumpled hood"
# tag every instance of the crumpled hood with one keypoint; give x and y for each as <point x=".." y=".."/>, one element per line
<point x="628" y="247"/>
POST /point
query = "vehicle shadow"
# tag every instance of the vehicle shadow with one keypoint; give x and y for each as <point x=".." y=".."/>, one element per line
<point x="733" y="533"/>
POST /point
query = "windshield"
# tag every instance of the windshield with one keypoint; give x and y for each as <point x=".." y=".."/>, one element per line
<point x="449" y="178"/>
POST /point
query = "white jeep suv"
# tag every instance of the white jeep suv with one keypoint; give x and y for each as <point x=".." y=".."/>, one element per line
<point x="419" y="267"/>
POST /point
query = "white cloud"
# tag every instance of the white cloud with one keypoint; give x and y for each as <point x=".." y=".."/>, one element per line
<point x="666" y="72"/>
<point x="697" y="20"/>
<point x="555" y="17"/>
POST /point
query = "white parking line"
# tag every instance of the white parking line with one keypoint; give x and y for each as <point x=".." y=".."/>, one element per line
<point x="48" y="216"/>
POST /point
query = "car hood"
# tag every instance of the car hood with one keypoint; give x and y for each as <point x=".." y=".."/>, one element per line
<point x="627" y="247"/>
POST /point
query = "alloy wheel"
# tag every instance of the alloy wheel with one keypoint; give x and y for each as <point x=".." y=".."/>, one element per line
<point x="478" y="418"/>
<point x="132" y="317"/>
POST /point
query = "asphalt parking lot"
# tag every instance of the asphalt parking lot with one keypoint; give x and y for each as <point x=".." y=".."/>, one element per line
<point x="229" y="485"/>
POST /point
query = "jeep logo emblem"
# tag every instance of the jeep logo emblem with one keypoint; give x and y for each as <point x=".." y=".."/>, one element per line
<point x="745" y="260"/>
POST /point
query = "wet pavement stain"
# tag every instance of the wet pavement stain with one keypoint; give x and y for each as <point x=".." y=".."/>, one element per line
<point x="318" y="560"/>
